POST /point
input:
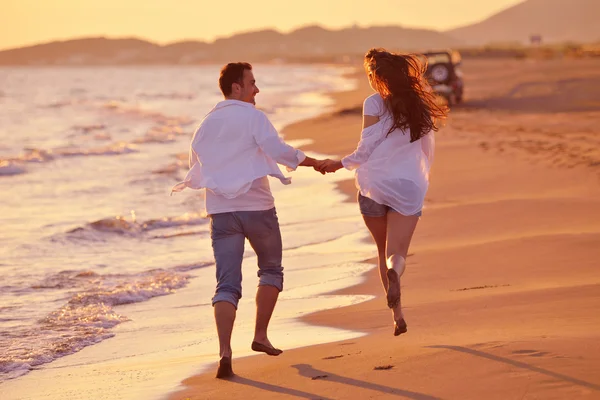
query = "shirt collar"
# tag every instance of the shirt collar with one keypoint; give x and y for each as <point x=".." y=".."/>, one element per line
<point x="230" y="102"/>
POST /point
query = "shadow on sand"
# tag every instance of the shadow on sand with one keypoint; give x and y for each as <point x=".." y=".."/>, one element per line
<point x="519" y="364"/>
<point x="308" y="371"/>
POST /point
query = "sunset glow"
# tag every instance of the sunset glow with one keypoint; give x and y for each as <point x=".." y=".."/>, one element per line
<point x="27" y="22"/>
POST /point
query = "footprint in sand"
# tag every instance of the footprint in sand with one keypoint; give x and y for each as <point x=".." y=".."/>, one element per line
<point x="531" y="353"/>
<point x="383" y="367"/>
<point x="332" y="357"/>
<point x="479" y="287"/>
<point x="489" y="345"/>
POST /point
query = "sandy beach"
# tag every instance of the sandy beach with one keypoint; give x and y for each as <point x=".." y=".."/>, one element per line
<point x="502" y="288"/>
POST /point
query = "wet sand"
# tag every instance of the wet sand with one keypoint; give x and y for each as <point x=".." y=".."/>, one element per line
<point x="502" y="287"/>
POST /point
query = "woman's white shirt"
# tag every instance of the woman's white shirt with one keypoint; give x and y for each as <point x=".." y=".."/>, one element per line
<point x="389" y="168"/>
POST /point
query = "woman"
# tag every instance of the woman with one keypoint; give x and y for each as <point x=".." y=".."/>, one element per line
<point x="392" y="161"/>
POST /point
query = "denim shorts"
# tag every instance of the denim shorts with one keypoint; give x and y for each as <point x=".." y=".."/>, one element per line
<point x="371" y="208"/>
<point x="228" y="232"/>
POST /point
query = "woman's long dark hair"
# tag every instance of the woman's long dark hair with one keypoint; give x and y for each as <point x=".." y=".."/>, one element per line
<point x="398" y="78"/>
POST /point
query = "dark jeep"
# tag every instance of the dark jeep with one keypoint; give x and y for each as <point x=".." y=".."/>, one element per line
<point x="444" y="75"/>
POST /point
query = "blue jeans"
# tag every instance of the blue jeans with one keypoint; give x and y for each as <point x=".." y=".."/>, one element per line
<point x="228" y="232"/>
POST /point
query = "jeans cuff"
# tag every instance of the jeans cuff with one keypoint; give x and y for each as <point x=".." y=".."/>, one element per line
<point x="271" y="280"/>
<point x="228" y="297"/>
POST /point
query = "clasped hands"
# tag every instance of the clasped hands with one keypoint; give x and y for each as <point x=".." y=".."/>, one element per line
<point x="327" y="166"/>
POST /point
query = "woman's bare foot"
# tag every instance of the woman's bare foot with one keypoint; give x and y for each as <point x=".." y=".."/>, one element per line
<point x="399" y="322"/>
<point x="400" y="327"/>
<point x="393" y="289"/>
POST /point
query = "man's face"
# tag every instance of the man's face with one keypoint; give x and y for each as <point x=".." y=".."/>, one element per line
<point x="249" y="89"/>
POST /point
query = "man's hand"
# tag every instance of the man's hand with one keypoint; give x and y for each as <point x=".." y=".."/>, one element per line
<point x="328" y="166"/>
<point x="322" y="166"/>
<point x="313" y="162"/>
<point x="319" y="164"/>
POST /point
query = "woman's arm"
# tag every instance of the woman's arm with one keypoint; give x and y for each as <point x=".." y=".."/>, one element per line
<point x="367" y="142"/>
<point x="369" y="120"/>
<point x="371" y="137"/>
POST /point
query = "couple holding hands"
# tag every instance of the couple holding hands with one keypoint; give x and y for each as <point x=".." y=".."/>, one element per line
<point x="236" y="148"/>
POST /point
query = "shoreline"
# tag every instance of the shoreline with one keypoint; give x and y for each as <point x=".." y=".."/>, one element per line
<point x="474" y="299"/>
<point x="345" y="108"/>
<point x="127" y="355"/>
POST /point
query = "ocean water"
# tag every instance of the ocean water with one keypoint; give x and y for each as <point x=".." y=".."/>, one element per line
<point x="92" y="247"/>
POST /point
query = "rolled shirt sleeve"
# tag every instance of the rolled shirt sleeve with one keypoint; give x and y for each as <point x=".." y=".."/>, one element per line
<point x="272" y="144"/>
<point x="370" y="138"/>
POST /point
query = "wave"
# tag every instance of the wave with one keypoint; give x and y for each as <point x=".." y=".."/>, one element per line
<point x="9" y="168"/>
<point x="168" y="96"/>
<point x="87" y="317"/>
<point x="32" y="155"/>
<point x="58" y="104"/>
<point x="179" y="234"/>
<point x="110" y="150"/>
<point x="186" y="219"/>
<point x="102" y="136"/>
<point x="117" y="225"/>
<point x="172" y="169"/>
<point x="85" y="129"/>
<point x="122" y="109"/>
<point x="65" y="280"/>
<point x="166" y="128"/>
<point x="161" y="134"/>
<point x="122" y="226"/>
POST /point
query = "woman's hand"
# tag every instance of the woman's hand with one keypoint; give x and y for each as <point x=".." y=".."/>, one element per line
<point x="328" y="166"/>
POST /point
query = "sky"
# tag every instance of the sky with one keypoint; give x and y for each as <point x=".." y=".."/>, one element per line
<point x="26" y="22"/>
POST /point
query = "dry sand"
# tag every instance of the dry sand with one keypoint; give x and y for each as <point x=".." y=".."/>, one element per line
<point x="502" y="289"/>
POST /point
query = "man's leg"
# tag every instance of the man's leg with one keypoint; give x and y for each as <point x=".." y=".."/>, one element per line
<point x="266" y="298"/>
<point x="262" y="229"/>
<point x="228" y="248"/>
<point x="224" y="317"/>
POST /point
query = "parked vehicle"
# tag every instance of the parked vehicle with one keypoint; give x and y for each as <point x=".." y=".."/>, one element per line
<point x="444" y="75"/>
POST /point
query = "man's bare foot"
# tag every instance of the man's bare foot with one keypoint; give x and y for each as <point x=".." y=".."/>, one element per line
<point x="225" y="371"/>
<point x="266" y="347"/>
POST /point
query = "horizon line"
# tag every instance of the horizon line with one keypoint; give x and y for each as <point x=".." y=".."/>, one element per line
<point x="183" y="40"/>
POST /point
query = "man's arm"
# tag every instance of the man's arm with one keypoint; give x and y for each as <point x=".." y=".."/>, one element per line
<point x="310" y="162"/>
<point x="272" y="144"/>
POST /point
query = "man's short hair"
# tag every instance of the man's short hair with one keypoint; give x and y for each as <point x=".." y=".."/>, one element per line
<point x="232" y="73"/>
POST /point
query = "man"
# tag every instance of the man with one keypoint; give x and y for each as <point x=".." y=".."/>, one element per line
<point x="233" y="151"/>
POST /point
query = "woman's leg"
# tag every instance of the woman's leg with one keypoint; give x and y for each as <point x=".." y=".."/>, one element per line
<point x="378" y="228"/>
<point x="400" y="229"/>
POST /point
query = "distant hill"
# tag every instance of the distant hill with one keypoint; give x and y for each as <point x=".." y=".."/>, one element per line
<point x="555" y="20"/>
<point x="99" y="51"/>
<point x="311" y="42"/>
<point x="316" y="41"/>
